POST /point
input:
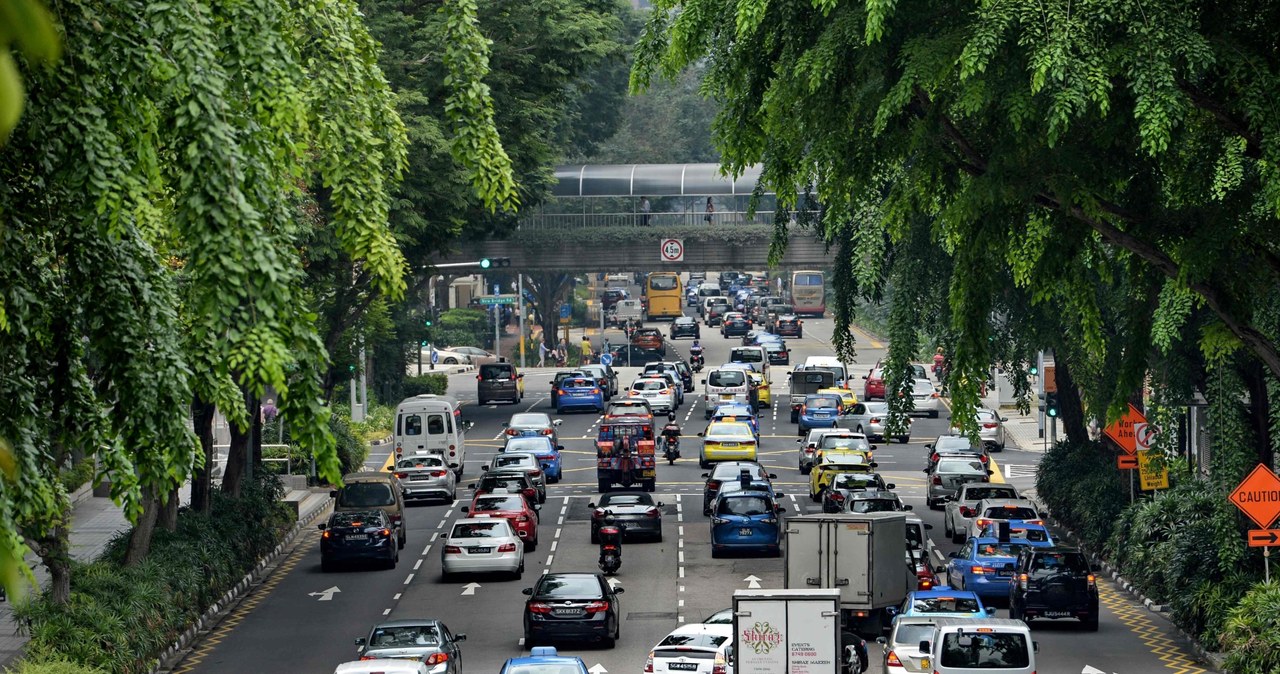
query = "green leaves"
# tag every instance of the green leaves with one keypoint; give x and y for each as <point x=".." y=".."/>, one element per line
<point x="27" y="24"/>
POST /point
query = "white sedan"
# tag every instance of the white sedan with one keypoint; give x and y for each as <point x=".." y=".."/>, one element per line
<point x="925" y="396"/>
<point x="465" y="355"/>
<point x="660" y="393"/>
<point x="482" y="545"/>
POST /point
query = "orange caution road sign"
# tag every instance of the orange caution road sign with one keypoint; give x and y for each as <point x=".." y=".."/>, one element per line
<point x="1127" y="462"/>
<point x="1258" y="496"/>
<point x="1264" y="538"/>
<point x="1121" y="431"/>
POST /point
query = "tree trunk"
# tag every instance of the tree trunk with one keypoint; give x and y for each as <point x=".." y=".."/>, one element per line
<point x="1254" y="376"/>
<point x="54" y="549"/>
<point x="168" y="518"/>
<point x="240" y="453"/>
<point x="255" y="439"/>
<point x="201" y="483"/>
<point x="549" y="289"/>
<point x="140" y="537"/>
<point x="1069" y="405"/>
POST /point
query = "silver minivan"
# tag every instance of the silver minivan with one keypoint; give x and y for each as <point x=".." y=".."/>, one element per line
<point x="980" y="646"/>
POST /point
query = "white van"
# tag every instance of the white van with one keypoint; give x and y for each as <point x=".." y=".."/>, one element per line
<point x="832" y="364"/>
<point x="980" y="646"/>
<point x="432" y="424"/>
<point x="753" y="355"/>
<point x="725" y="385"/>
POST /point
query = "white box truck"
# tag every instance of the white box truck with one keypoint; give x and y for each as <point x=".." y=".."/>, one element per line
<point x="791" y="631"/>
<point x="863" y="556"/>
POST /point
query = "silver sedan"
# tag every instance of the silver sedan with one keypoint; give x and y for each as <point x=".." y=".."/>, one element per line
<point x="990" y="429"/>
<point x="426" y="477"/>
<point x="482" y="545"/>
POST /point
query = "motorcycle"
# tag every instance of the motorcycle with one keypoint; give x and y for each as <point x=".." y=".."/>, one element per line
<point x="610" y="546"/>
<point x="671" y="449"/>
<point x="695" y="362"/>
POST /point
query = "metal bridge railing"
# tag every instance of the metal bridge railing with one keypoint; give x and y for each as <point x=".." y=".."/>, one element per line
<point x="540" y="220"/>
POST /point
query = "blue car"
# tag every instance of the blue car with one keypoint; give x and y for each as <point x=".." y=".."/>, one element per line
<point x="746" y="521"/>
<point x="818" y="411"/>
<point x="738" y="412"/>
<point x="983" y="566"/>
<point x="579" y="393"/>
<point x="540" y="446"/>
<point x="945" y="604"/>
<point x="544" y="659"/>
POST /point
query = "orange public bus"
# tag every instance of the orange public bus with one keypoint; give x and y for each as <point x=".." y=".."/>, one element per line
<point x="666" y="296"/>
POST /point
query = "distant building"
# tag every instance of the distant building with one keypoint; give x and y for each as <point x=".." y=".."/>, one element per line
<point x="641" y="4"/>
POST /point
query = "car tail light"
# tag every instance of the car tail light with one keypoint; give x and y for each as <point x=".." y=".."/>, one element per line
<point x="598" y="512"/>
<point x="437" y="658"/>
<point x="665" y="391"/>
<point x="395" y="519"/>
<point x="982" y="522"/>
<point x="402" y="475"/>
<point x="386" y="532"/>
<point x="982" y="570"/>
<point x="539" y="607"/>
<point x="437" y="473"/>
<point x="477" y="377"/>
<point x="507" y="547"/>
<point x="934" y="457"/>
<point x="597" y="607"/>
<point x="720" y="666"/>
<point x="325" y="535"/>
<point x="984" y="458"/>
<point x="653" y="513"/>
<point x="892" y="660"/>
<point x="1034" y="522"/>
<point x="648" y="663"/>
<point x="874" y="420"/>
<point x="804" y="409"/>
<point x="966" y="511"/>
<point x="713" y="485"/>
<point x="512" y="431"/>
<point x="535" y="473"/>
<point x="989" y="425"/>
<point x="452" y="550"/>
<point x="937" y="479"/>
<point x="836" y="496"/>
<point x="595" y="391"/>
<point x="1022" y="581"/>
<point x="1093" y="581"/>
<point x="933" y="395"/>
<point x="546" y="431"/>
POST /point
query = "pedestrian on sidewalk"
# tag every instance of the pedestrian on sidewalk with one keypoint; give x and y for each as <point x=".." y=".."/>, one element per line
<point x="586" y="350"/>
<point x="542" y="353"/>
<point x="270" y="411"/>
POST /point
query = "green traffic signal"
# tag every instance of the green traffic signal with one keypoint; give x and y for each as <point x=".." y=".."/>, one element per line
<point x="1034" y="370"/>
<point x="486" y="263"/>
<point x="424" y="342"/>
<point x="1051" y="403"/>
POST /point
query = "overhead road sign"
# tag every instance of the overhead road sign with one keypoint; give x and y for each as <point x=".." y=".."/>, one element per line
<point x="1121" y="430"/>
<point x="497" y="299"/>
<point x="1258" y="496"/>
<point x="1264" y="538"/>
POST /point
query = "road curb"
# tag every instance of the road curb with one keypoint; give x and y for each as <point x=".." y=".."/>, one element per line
<point x="1214" y="660"/>
<point x="215" y="613"/>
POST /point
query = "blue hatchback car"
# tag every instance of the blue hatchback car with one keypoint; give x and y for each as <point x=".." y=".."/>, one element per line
<point x="579" y="393"/>
<point x="544" y="659"/>
<point x="540" y="446"/>
<point x="983" y="566"/>
<point x="819" y="411"/>
<point x="945" y="604"/>
<point x="747" y="521"/>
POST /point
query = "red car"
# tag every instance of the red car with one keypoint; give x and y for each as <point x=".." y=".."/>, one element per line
<point x="515" y="508"/>
<point x="874" y="387"/>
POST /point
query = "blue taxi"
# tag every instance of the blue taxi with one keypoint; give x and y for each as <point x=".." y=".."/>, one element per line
<point x="544" y="659"/>
<point x="945" y="604"/>
<point x="542" y="447"/>
<point x="746" y="521"/>
<point x="983" y="566"/>
<point x="819" y="411"/>
<point x="579" y="393"/>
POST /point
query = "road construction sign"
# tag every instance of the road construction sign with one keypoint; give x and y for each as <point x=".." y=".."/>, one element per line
<point x="1121" y="430"/>
<point x="1258" y="496"/>
<point x="1264" y="538"/>
<point x="1127" y="462"/>
<point x="1149" y="475"/>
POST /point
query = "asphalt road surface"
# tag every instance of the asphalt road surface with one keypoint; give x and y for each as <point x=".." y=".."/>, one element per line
<point x="291" y="624"/>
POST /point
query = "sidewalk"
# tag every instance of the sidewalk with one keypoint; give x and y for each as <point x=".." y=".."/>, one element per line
<point x="1021" y="430"/>
<point x="95" y="521"/>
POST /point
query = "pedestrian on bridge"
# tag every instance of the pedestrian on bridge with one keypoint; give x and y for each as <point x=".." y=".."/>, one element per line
<point x="711" y="209"/>
<point x="644" y="211"/>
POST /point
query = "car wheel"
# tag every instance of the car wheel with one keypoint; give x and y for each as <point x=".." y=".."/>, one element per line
<point x="904" y="439"/>
<point x="529" y="641"/>
<point x="658" y="538"/>
<point x="403" y="538"/>
<point x="395" y="559"/>
<point x="595" y="536"/>
<point x="530" y="545"/>
<point x="703" y="464"/>
<point x="933" y="414"/>
<point x="715" y="554"/>
<point x="815" y="497"/>
<point x="1090" y="623"/>
<point x="450" y="361"/>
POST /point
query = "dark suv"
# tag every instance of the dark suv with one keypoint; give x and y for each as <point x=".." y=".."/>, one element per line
<point x="1054" y="583"/>
<point x="610" y="297"/>
<point x="499" y="381"/>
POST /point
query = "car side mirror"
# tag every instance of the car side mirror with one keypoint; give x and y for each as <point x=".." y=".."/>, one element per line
<point x="953" y="555"/>
<point x="881" y="640"/>
<point x="592" y="505"/>
<point x="779" y="494"/>
<point x="460" y="637"/>
<point x="391" y="468"/>
<point x="779" y="509"/>
<point x="484" y="467"/>
<point x="929" y="446"/>
<point x="909" y="507"/>
<point x="772" y="476"/>
<point x="466" y="509"/>
<point x="1035" y="646"/>
<point x="700" y="434"/>
<point x="939" y="569"/>
<point x="468" y="425"/>
<point x="706" y="475"/>
<point x="891" y="486"/>
<point x="527" y="590"/>
<point x="872" y="446"/>
<point x="991" y="611"/>
<point x="360" y="641"/>
<point x="333" y="493"/>
<point x="926" y="470"/>
<point x="444" y="536"/>
<point x="873" y="464"/>
<point x="990" y="473"/>
<point x="557" y="422"/>
<point x="505" y="424"/>
<point x="928" y="527"/>
<point x="471" y="486"/>
<point x="321" y="526"/>
<point x="560" y="448"/>
<point x="864" y="376"/>
<point x="619" y="590"/>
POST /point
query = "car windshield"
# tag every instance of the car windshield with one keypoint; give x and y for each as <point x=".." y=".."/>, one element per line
<point x="987" y="650"/>
<point x="366" y="495"/>
<point x="371" y="518"/>
<point x="745" y="506"/>
<point x="696" y="639"/>
<point x="998" y="549"/>
<point x="569" y="586"/>
<point x="648" y="385"/>
<point x="911" y="635"/>
<point x="495" y="371"/>
<point x="578" y="382"/>
<point x="944" y="605"/>
<point x="503" y="482"/>
<point x="527" y="444"/>
<point x="954" y="442"/>
<point x="530" y="420"/>
<point x="684" y="320"/>
<point x="726" y="378"/>
<point x="746" y="355"/>
<point x="494" y="529"/>
<point x="843" y="442"/>
<point x="616" y="409"/>
<point x="961" y="466"/>
<point x="498" y="503"/>
<point x="1071" y="562"/>
<point x="853" y="481"/>
<point x="625" y="499"/>
<point x="823" y="403"/>
<point x="730" y="431"/>
<point x="420" y="462"/>
<point x="979" y="493"/>
<point x="730" y="471"/>
<point x="404" y="636"/>
<point x="873" y="505"/>
<point x="1011" y="513"/>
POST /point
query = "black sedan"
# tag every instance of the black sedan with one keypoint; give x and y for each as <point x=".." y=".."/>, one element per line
<point x="630" y="355"/>
<point x="635" y="512"/>
<point x="685" y="326"/>
<point x="364" y="535"/>
<point x="572" y="606"/>
<point x="787" y="326"/>
<point x="777" y="353"/>
<point x="735" y="325"/>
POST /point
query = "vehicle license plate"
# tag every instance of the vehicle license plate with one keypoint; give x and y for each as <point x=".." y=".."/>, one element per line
<point x="568" y="612"/>
<point x="1005" y="573"/>
<point x="417" y="478"/>
<point x="728" y="444"/>
<point x="744" y="532"/>
<point x="1057" y="614"/>
<point x="726" y="396"/>
<point x="682" y="666"/>
<point x="480" y="551"/>
<point x="357" y="537"/>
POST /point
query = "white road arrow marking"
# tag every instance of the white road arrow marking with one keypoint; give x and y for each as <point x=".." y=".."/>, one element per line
<point x="325" y="595"/>
<point x="469" y="589"/>
<point x="614" y="583"/>
<point x="597" y="669"/>
<point x="753" y="583"/>
<point x="1091" y="670"/>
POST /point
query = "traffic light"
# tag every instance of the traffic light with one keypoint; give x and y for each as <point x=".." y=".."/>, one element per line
<point x="492" y="262"/>
<point x="1051" y="403"/>
<point x="1035" y="371"/>
<point x="424" y="343"/>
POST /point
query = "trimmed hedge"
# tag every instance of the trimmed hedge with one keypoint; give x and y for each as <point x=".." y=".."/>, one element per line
<point x="120" y="619"/>
<point x="54" y="666"/>
<point x="437" y="384"/>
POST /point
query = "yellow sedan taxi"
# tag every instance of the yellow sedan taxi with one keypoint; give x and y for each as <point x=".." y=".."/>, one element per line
<point x="847" y="397"/>
<point x="836" y="462"/>
<point x="763" y="395"/>
<point x="727" y="441"/>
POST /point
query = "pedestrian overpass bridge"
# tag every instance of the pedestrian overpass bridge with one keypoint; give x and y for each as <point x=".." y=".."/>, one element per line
<point x="596" y="221"/>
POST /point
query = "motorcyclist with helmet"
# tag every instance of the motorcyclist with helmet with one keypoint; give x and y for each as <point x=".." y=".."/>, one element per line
<point x="695" y="356"/>
<point x="671" y="439"/>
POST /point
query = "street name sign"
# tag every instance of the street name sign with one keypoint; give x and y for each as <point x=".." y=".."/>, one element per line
<point x="1149" y="476"/>
<point x="1264" y="538"/>
<point x="1127" y="462"/>
<point x="1258" y="496"/>
<point x="1121" y="430"/>
<point x="498" y="299"/>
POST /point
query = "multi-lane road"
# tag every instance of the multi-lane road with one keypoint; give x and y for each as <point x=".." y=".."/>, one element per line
<point x="303" y="620"/>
